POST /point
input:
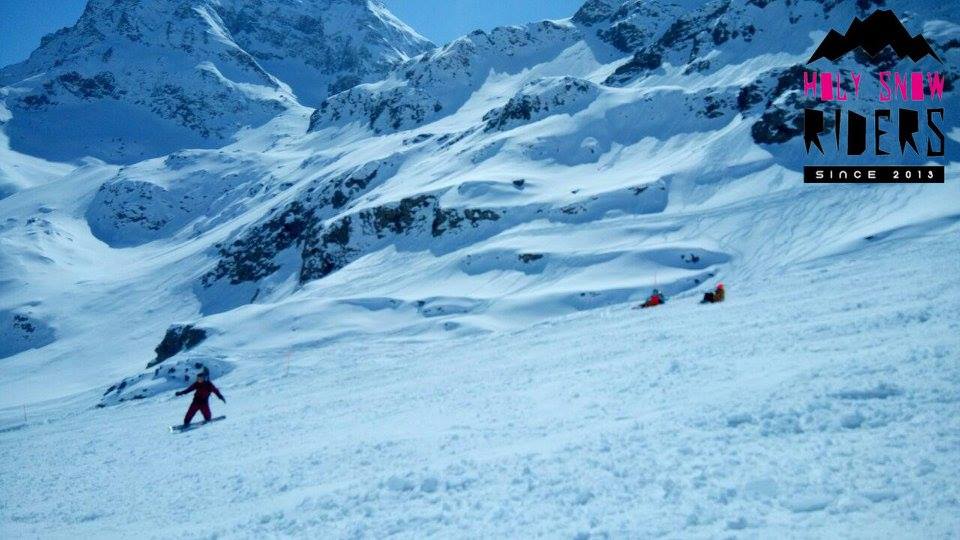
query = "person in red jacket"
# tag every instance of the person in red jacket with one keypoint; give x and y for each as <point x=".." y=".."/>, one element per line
<point x="655" y="299"/>
<point x="201" y="394"/>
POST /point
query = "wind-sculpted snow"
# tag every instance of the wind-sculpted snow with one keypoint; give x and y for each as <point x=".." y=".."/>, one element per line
<point x="530" y="263"/>
<point x="133" y="80"/>
<point x="663" y="114"/>
<point x="157" y="199"/>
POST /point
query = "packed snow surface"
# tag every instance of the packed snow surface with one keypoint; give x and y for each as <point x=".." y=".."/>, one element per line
<point x="823" y="402"/>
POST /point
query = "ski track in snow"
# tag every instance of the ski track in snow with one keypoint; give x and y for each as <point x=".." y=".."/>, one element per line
<point x="823" y="403"/>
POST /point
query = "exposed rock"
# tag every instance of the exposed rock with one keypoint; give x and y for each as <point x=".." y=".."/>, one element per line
<point x="643" y="62"/>
<point x="180" y="337"/>
<point x="421" y="222"/>
<point x="527" y="258"/>
<point x="159" y="81"/>
<point x="543" y="98"/>
<point x="776" y="98"/>
<point x="250" y="257"/>
<point x="595" y="11"/>
<point x="423" y="89"/>
<point x="21" y="331"/>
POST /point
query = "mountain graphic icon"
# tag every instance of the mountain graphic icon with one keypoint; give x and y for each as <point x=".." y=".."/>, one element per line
<point x="881" y="29"/>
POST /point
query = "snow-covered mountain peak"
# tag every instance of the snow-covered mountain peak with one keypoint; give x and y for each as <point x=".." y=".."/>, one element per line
<point x="321" y="47"/>
<point x="141" y="78"/>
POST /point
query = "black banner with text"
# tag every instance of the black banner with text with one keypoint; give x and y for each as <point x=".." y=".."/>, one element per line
<point x="886" y="174"/>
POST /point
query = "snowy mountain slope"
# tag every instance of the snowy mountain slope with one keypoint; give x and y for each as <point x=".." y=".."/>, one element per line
<point x="539" y="192"/>
<point x="320" y="47"/>
<point x="133" y="80"/>
<point x="428" y="283"/>
<point x="19" y="171"/>
<point x="438" y="84"/>
<point x="671" y="43"/>
<point x="597" y="121"/>
<point x="808" y="405"/>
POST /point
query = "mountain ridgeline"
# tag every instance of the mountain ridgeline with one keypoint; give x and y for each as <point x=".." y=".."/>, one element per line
<point x="137" y="79"/>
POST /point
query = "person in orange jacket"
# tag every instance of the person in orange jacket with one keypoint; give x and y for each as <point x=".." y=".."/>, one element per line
<point x="717" y="296"/>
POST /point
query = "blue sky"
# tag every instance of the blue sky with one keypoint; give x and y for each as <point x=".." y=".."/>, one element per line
<point x="24" y="22"/>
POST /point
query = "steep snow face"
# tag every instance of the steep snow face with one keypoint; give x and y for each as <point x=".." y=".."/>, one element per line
<point x="438" y="84"/>
<point x="321" y="47"/>
<point x="490" y="134"/>
<point x="133" y="80"/>
<point x="137" y="79"/>
<point x="20" y="171"/>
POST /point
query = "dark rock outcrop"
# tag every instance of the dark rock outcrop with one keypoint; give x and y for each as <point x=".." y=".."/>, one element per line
<point x="425" y="88"/>
<point x="21" y="331"/>
<point x="181" y="337"/>
<point x="540" y="99"/>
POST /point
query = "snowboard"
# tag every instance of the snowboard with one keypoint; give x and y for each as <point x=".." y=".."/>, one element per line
<point x="181" y="428"/>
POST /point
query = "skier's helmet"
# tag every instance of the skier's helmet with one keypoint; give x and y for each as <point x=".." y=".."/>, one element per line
<point x="720" y="286"/>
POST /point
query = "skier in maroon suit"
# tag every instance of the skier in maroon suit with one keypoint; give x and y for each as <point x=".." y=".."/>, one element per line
<point x="202" y="390"/>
